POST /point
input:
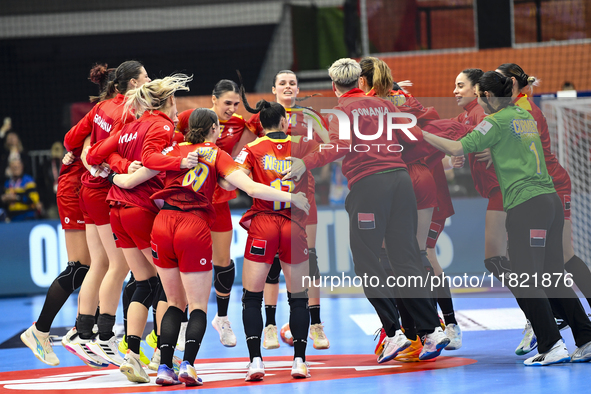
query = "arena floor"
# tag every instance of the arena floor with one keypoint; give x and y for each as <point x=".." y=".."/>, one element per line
<point x="491" y="322"/>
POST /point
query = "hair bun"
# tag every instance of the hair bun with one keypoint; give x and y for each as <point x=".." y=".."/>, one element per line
<point x="98" y="73"/>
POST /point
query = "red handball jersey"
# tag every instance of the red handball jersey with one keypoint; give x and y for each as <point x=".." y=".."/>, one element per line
<point x="359" y="162"/>
<point x="484" y="179"/>
<point x="557" y="172"/>
<point x="103" y="119"/>
<point x="132" y="143"/>
<point x="266" y="158"/>
<point x="445" y="206"/>
<point x="192" y="189"/>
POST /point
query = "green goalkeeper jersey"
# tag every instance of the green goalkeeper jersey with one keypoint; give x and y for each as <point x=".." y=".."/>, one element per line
<point x="516" y="148"/>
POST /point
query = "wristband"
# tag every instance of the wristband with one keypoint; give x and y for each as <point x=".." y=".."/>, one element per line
<point x="111" y="176"/>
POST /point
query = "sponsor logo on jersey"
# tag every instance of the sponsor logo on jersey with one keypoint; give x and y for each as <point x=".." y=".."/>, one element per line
<point x="167" y="150"/>
<point x="271" y="163"/>
<point x="366" y="221"/>
<point x="537" y="238"/>
<point x="258" y="247"/>
<point x="127" y="137"/>
<point x="102" y="123"/>
<point x="166" y="127"/>
<point x="241" y="158"/>
<point x="483" y="127"/>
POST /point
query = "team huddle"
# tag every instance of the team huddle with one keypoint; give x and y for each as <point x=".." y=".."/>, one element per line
<point x="146" y="190"/>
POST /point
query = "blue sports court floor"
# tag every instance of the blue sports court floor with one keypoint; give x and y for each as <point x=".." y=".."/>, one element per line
<point x="486" y="363"/>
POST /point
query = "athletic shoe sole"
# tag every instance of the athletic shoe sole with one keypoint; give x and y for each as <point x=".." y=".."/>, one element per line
<point x="438" y="348"/>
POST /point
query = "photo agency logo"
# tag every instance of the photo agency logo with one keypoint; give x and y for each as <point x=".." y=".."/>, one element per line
<point x="389" y="121"/>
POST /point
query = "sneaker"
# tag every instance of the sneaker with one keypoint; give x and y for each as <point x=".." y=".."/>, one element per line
<point x="180" y="342"/>
<point x="222" y="326"/>
<point x="434" y="344"/>
<point x="380" y="346"/>
<point x="154" y="364"/>
<point x="393" y="345"/>
<point x="454" y="333"/>
<point x="40" y="344"/>
<point x="107" y="350"/>
<point x="285" y="334"/>
<point x="166" y="376"/>
<point x="68" y="337"/>
<point x="77" y="346"/>
<point x="558" y="354"/>
<point x="256" y="370"/>
<point x="411" y="354"/>
<point x="561" y="324"/>
<point x="319" y="337"/>
<point x="270" y="340"/>
<point x="152" y="339"/>
<point x="529" y="341"/>
<point x="188" y="375"/>
<point x="132" y="368"/>
<point x="300" y="369"/>
<point x="582" y="354"/>
<point x="123" y="349"/>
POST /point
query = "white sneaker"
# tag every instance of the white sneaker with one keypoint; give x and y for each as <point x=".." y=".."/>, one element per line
<point x="393" y="345"/>
<point x="454" y="333"/>
<point x="132" y="368"/>
<point x="107" y="350"/>
<point x="68" y="337"/>
<point x="180" y="342"/>
<point x="319" y="337"/>
<point x="582" y="354"/>
<point x="223" y="327"/>
<point x="270" y="339"/>
<point x="300" y="369"/>
<point x="40" y="344"/>
<point x="558" y="354"/>
<point x="529" y="341"/>
<point x="256" y="370"/>
<point x="77" y="346"/>
<point x="434" y="344"/>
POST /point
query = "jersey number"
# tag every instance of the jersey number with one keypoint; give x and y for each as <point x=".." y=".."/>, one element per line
<point x="286" y="186"/>
<point x="532" y="147"/>
<point x="196" y="176"/>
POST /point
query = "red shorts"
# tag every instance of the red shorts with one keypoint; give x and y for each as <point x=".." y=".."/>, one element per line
<point x="68" y="203"/>
<point x="495" y="200"/>
<point x="271" y="234"/>
<point x="223" y="218"/>
<point x="310" y="194"/>
<point x="94" y="206"/>
<point x="434" y="231"/>
<point x="131" y="226"/>
<point x="183" y="240"/>
<point x="423" y="185"/>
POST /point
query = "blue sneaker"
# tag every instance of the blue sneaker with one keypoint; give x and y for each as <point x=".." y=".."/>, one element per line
<point x="166" y="376"/>
<point x="188" y="375"/>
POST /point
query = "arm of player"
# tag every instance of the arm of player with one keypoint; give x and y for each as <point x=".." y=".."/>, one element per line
<point x="450" y="147"/>
<point x="264" y="192"/>
<point x="129" y="181"/>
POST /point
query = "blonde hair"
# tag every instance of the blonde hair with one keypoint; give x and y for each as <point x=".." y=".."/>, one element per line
<point x="153" y="95"/>
<point x="345" y="73"/>
<point x="378" y="75"/>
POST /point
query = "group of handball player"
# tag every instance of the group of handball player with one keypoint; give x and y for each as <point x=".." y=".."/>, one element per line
<point x="145" y="189"/>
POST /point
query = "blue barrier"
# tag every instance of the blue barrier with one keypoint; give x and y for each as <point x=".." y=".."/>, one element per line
<point x="33" y="253"/>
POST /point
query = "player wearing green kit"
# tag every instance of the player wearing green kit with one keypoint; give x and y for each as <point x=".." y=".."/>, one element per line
<point x="534" y="218"/>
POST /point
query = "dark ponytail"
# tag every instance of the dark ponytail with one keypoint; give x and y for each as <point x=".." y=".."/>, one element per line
<point x="499" y="86"/>
<point x="473" y="75"/>
<point x="101" y="75"/>
<point x="513" y="70"/>
<point x="125" y="72"/>
<point x="200" y="123"/>
<point x="270" y="112"/>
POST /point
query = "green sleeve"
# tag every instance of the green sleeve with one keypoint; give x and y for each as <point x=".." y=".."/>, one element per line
<point x="485" y="135"/>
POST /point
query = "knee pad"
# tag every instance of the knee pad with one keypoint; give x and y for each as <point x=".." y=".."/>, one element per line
<point x="251" y="299"/>
<point x="313" y="259"/>
<point x="426" y="263"/>
<point x="71" y="278"/>
<point x="159" y="295"/>
<point x="145" y="291"/>
<point x="224" y="277"/>
<point x="298" y="299"/>
<point x="274" y="272"/>
<point x="498" y="265"/>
